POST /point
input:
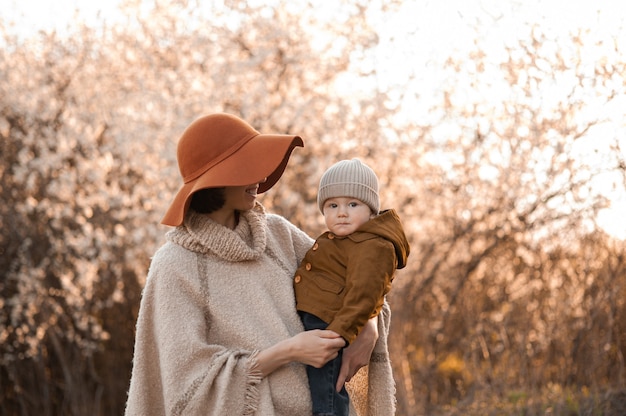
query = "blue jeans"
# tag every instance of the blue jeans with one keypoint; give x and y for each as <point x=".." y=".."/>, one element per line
<point x="326" y="400"/>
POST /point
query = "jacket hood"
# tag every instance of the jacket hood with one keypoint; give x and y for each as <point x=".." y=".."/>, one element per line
<point x="388" y="225"/>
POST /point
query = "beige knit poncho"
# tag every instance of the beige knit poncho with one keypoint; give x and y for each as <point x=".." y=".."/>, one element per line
<point x="212" y="298"/>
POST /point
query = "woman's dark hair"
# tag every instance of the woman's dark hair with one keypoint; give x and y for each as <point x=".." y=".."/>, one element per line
<point x="206" y="201"/>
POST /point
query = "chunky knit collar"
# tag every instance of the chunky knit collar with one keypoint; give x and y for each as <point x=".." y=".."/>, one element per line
<point x="201" y="234"/>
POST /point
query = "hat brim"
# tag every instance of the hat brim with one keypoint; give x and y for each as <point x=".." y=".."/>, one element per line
<point x="263" y="156"/>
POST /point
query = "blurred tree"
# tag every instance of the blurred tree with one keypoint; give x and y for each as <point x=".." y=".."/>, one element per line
<point x="496" y="294"/>
<point x="508" y="286"/>
<point x="89" y="123"/>
<point x="69" y="251"/>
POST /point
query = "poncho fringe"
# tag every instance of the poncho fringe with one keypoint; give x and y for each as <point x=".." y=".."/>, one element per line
<point x="254" y="377"/>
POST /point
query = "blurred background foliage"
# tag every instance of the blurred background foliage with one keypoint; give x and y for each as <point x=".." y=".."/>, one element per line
<point x="514" y="298"/>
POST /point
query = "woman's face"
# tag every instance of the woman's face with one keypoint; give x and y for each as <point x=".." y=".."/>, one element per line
<point x="236" y="198"/>
<point x="240" y="198"/>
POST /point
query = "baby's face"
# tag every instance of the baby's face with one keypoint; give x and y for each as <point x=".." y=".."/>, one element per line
<point x="344" y="215"/>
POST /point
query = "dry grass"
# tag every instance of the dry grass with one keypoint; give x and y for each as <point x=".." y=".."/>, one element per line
<point x="553" y="400"/>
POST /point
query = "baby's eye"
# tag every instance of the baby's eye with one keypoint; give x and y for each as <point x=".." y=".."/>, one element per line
<point x="353" y="204"/>
<point x="332" y="205"/>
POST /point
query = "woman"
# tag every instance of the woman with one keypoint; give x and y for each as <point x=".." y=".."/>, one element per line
<point x="217" y="331"/>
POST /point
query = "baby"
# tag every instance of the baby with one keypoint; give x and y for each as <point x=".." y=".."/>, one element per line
<point x="344" y="277"/>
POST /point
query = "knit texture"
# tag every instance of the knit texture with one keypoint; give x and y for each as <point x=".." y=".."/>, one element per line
<point x="213" y="298"/>
<point x="349" y="178"/>
<point x="372" y="390"/>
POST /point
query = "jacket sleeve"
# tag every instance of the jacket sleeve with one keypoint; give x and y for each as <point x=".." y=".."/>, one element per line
<point x="175" y="370"/>
<point x="370" y="270"/>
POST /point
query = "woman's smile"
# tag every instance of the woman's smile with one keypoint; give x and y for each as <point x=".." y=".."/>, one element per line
<point x="252" y="190"/>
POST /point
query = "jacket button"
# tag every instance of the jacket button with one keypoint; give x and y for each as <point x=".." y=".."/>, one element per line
<point x="315" y="246"/>
<point x="308" y="266"/>
<point x="331" y="236"/>
<point x="297" y="279"/>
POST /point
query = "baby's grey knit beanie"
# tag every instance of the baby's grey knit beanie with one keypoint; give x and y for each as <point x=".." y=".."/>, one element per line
<point x="349" y="178"/>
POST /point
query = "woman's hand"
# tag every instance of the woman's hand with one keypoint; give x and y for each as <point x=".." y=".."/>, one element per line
<point x="314" y="348"/>
<point x="317" y="347"/>
<point x="358" y="354"/>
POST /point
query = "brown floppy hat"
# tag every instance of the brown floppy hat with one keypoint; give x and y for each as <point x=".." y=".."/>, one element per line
<point x="223" y="150"/>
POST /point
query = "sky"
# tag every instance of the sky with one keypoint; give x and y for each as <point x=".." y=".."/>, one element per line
<point x="423" y="32"/>
<point x="36" y="15"/>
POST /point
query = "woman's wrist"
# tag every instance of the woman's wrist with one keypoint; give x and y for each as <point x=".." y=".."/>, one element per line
<point x="279" y="354"/>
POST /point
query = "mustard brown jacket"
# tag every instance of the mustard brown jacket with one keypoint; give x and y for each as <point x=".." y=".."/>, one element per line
<point x="343" y="280"/>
